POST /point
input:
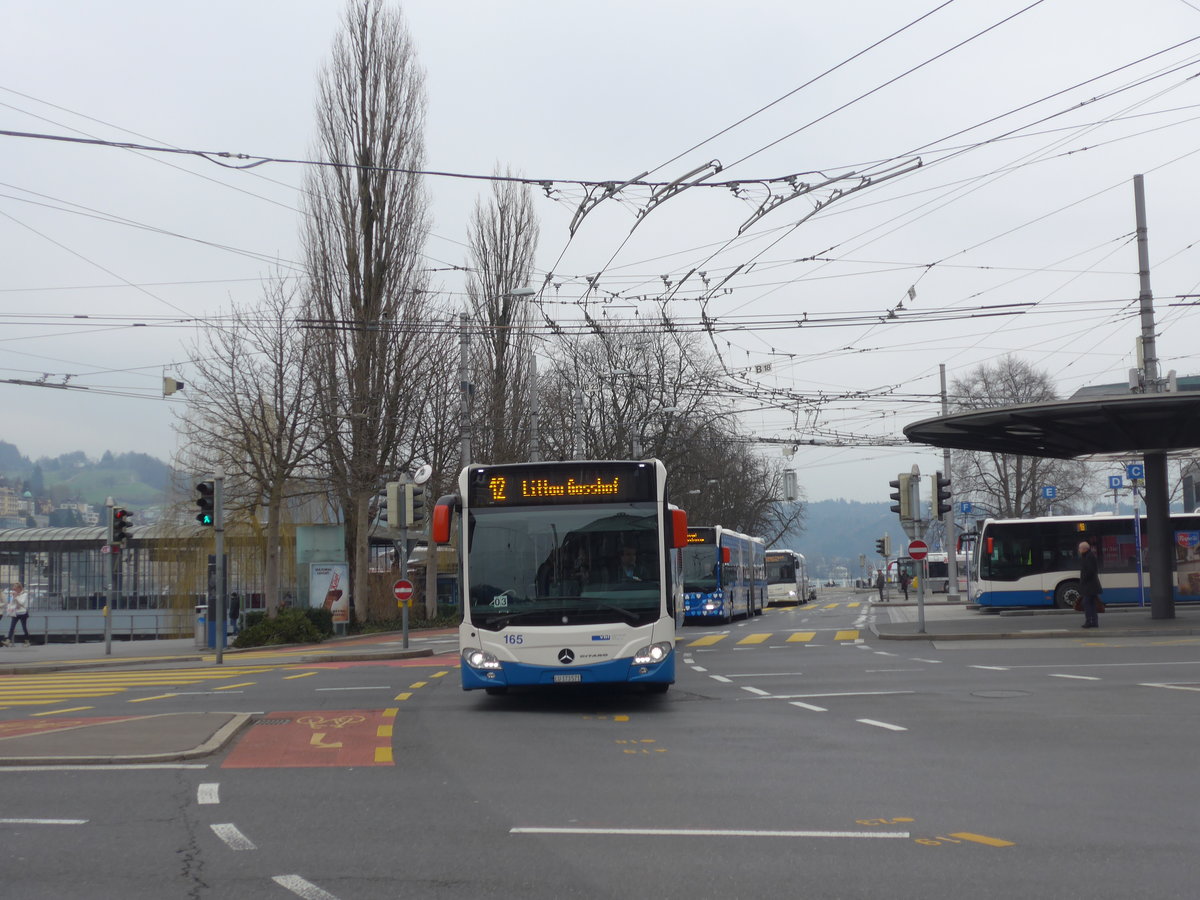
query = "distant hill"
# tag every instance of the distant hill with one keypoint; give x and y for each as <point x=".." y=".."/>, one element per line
<point x="837" y="531"/>
<point x="132" y="479"/>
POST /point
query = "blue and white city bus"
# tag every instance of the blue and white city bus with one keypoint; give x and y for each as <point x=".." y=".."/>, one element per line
<point x="1035" y="562"/>
<point x="787" y="577"/>
<point x="569" y="573"/>
<point x="724" y="576"/>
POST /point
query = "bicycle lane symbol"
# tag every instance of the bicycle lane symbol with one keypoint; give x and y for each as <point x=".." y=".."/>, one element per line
<point x="316" y="738"/>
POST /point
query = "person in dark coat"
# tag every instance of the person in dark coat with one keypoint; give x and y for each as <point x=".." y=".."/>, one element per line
<point x="1089" y="585"/>
<point x="235" y="611"/>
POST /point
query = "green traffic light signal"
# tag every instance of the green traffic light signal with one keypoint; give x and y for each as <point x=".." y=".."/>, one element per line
<point x="206" y="502"/>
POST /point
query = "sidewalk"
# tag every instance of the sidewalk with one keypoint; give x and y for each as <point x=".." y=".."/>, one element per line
<point x="959" y="622"/>
<point x="171" y="737"/>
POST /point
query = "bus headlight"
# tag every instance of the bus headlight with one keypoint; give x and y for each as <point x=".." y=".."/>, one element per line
<point x="655" y="653"/>
<point x="479" y="659"/>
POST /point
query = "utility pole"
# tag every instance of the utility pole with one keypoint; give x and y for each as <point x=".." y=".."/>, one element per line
<point x="948" y="519"/>
<point x="464" y="386"/>
<point x="219" y="552"/>
<point x="114" y="560"/>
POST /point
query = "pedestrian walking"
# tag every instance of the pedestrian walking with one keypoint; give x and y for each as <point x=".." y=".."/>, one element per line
<point x="1089" y="585"/>
<point x="235" y="611"/>
<point x="879" y="582"/>
<point x="18" y="611"/>
<point x="904" y="584"/>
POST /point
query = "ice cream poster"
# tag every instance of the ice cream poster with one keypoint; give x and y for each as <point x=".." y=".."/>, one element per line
<point x="327" y="589"/>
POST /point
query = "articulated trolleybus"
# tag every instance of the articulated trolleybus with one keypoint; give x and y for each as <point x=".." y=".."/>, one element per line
<point x="723" y="574"/>
<point x="568" y="574"/>
<point x="1035" y="562"/>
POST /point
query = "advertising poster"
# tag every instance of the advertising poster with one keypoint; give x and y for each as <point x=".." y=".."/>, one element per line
<point x="327" y="589"/>
<point x="1187" y="562"/>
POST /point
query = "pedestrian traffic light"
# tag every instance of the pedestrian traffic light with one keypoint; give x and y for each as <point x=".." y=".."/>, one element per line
<point x="122" y="520"/>
<point x="206" y="502"/>
<point x="415" y="505"/>
<point x="901" y="496"/>
<point x="941" y="494"/>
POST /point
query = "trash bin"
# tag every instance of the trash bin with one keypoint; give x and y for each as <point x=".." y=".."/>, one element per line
<point x="201" y="628"/>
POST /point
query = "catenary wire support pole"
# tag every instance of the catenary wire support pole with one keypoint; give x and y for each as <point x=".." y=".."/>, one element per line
<point x="1158" y="512"/>
<point x="948" y="518"/>
<point x="219" y="553"/>
<point x="464" y="388"/>
<point x="109" y="601"/>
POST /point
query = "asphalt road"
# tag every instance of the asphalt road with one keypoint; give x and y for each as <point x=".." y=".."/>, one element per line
<point x="795" y="757"/>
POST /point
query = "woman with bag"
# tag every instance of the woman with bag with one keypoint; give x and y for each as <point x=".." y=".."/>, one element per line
<point x="1089" y="585"/>
<point x="18" y="610"/>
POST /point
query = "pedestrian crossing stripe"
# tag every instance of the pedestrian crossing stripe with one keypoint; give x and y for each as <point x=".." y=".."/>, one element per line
<point x="803" y="637"/>
<point x="53" y="687"/>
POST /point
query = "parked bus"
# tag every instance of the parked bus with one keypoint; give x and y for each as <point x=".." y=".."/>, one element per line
<point x="787" y="578"/>
<point x="724" y="576"/>
<point x="568" y="574"/>
<point x="937" y="571"/>
<point x="1035" y="562"/>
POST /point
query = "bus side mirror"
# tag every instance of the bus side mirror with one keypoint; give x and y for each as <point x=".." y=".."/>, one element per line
<point x="678" y="529"/>
<point x="726" y="556"/>
<point x="440" y="529"/>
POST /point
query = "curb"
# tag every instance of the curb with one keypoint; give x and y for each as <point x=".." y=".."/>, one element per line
<point x="1036" y="635"/>
<point x="215" y="742"/>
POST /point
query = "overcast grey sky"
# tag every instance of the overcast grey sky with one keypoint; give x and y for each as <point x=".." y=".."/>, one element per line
<point x="1028" y="120"/>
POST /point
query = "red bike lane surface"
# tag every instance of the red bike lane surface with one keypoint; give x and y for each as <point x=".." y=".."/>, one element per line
<point x="20" y="727"/>
<point x="315" y="738"/>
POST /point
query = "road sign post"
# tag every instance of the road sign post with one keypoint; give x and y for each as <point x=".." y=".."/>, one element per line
<point x="918" y="550"/>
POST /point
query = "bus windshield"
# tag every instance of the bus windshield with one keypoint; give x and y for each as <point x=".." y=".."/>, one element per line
<point x="780" y="569"/>
<point x="700" y="567"/>
<point x="564" y="565"/>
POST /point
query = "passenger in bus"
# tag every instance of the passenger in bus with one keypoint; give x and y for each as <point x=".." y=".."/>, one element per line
<point x="1089" y="585"/>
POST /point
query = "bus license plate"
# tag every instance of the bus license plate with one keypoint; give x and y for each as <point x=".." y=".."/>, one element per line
<point x="568" y="679"/>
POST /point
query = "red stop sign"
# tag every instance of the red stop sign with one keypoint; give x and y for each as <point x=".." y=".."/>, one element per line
<point x="918" y="549"/>
<point x="403" y="589"/>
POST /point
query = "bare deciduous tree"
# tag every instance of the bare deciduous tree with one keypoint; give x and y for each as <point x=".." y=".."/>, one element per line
<point x="249" y="414"/>
<point x="1004" y="484"/>
<point x="367" y="221"/>
<point x="503" y="239"/>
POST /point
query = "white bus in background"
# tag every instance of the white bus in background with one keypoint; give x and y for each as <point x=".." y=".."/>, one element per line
<point x="787" y="578"/>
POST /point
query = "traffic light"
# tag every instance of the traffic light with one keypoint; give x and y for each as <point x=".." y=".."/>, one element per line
<point x="206" y="502"/>
<point x="414" y="501"/>
<point x="941" y="495"/>
<point x="883" y="546"/>
<point x="879" y="548"/>
<point x="122" y="520"/>
<point x="901" y="496"/>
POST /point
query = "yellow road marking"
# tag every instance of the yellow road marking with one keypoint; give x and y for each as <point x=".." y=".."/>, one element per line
<point x="55" y="712"/>
<point x="403" y="696"/>
<point x="854" y="604"/>
<point x="981" y="839"/>
<point x="851" y="635"/>
<point x="438" y="674"/>
<point x="383" y="754"/>
<point x="155" y="697"/>
<point x="383" y="731"/>
<point x="318" y="740"/>
<point x="620" y="718"/>
<point x="301" y="675"/>
<point x="226" y="687"/>
<point x="708" y="640"/>
<point x="754" y="638"/>
<point x="417" y="684"/>
<point x="802" y="636"/>
<point x="390" y="712"/>
<point x="830" y="606"/>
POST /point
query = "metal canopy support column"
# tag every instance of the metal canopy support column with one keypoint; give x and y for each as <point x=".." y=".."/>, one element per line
<point x="1160" y="536"/>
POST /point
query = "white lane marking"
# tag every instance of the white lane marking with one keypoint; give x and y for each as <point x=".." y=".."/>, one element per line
<point x="931" y="661"/>
<point x="1077" y="677"/>
<point x="720" y="678"/>
<point x="766" y="675"/>
<point x="43" y="821"/>
<point x="208" y="792"/>
<point x="712" y="832"/>
<point x="374" y="687"/>
<point x="841" y="694"/>
<point x="991" y="668"/>
<point x="104" y="767"/>
<point x="808" y="706"/>
<point x="302" y="888"/>
<point x="885" y="653"/>
<point x="699" y="669"/>
<point x="228" y="832"/>
<point x="754" y="690"/>
<point x="879" y="724"/>
<point x="1186" y="686"/>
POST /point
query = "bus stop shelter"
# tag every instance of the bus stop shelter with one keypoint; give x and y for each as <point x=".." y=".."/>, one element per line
<point x="1150" y="425"/>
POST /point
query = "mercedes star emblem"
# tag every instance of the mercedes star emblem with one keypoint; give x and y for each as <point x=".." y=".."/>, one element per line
<point x="566" y="657"/>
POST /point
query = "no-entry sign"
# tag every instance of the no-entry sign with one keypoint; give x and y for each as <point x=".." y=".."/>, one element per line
<point x="403" y="589"/>
<point x="918" y="549"/>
